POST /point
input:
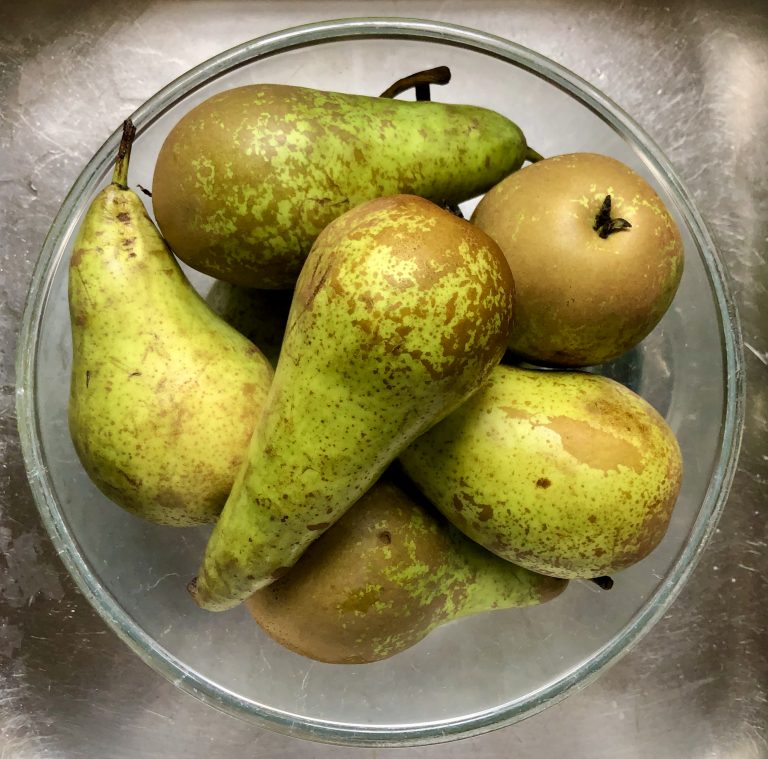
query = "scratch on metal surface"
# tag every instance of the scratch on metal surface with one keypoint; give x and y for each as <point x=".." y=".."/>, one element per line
<point x="763" y="357"/>
<point x="19" y="738"/>
<point x="26" y="576"/>
<point x="161" y="716"/>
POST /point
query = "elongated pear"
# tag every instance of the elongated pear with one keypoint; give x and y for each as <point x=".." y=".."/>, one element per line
<point x="390" y="571"/>
<point x="400" y="313"/>
<point x="246" y="181"/>
<point x="565" y="473"/>
<point x="164" y="394"/>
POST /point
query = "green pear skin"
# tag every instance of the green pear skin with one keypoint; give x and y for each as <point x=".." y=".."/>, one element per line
<point x="565" y="473"/>
<point x="399" y="314"/>
<point x="390" y="571"/>
<point x="164" y="395"/>
<point x="246" y="181"/>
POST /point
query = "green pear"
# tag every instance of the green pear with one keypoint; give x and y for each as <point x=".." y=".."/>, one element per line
<point x="399" y="314"/>
<point x="164" y="394"/>
<point x="260" y="315"/>
<point x="246" y="180"/>
<point x="565" y="473"/>
<point x="386" y="574"/>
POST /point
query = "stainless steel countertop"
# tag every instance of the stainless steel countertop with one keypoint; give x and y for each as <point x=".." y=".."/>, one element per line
<point x="692" y="74"/>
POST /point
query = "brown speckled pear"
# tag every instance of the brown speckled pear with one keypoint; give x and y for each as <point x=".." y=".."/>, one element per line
<point x="164" y="395"/>
<point x="399" y="314"/>
<point x="386" y="574"/>
<point x="246" y="181"/>
<point x="589" y="287"/>
<point x="260" y="315"/>
<point x="565" y="473"/>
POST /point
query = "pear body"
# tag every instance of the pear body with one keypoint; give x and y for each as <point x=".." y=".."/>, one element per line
<point x="566" y="473"/>
<point x="164" y="394"/>
<point x="400" y="313"/>
<point x="390" y="571"/>
<point x="583" y="299"/>
<point x="246" y="181"/>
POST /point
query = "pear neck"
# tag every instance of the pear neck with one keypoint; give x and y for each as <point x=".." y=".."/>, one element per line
<point x="120" y="173"/>
<point x="497" y="584"/>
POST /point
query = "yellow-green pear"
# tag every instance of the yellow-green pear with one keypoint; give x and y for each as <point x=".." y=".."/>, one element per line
<point x="399" y="314"/>
<point x="565" y="473"/>
<point x="390" y="571"/>
<point x="164" y="394"/>
<point x="247" y="179"/>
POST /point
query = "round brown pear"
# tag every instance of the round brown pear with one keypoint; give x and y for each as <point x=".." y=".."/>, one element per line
<point x="596" y="257"/>
<point x="387" y="573"/>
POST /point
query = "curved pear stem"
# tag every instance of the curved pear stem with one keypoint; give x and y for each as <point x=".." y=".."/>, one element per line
<point x="420" y="81"/>
<point x="604" y="225"/>
<point x="120" y="174"/>
<point x="532" y="156"/>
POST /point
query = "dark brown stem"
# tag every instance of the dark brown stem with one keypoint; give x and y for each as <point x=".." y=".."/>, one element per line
<point x="420" y="81"/>
<point x="604" y="582"/>
<point x="120" y="174"/>
<point x="604" y="225"/>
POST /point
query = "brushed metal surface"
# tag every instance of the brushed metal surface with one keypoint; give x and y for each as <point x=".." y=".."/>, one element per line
<point x="692" y="74"/>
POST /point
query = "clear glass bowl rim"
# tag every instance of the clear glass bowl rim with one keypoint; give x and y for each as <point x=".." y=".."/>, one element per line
<point x="359" y="734"/>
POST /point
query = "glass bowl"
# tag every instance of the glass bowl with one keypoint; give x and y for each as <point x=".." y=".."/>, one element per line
<point x="472" y="675"/>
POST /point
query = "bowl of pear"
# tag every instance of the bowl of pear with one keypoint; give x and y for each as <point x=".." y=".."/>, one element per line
<point x="460" y="673"/>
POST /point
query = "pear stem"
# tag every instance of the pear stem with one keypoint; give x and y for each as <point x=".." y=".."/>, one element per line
<point x="420" y="81"/>
<point x="120" y="174"/>
<point x="532" y="156"/>
<point x="604" y="225"/>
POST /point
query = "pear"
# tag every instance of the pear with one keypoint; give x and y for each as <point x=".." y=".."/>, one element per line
<point x="400" y="313"/>
<point x="566" y="473"/>
<point x="164" y="395"/>
<point x="260" y="315"/>
<point x="246" y="180"/>
<point x="386" y="574"/>
<point x="597" y="257"/>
